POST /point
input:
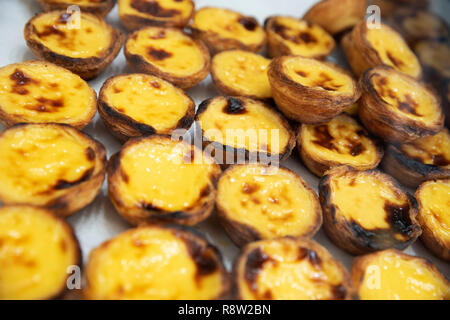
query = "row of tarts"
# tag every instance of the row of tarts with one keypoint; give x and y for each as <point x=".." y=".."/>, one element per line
<point x="155" y="180"/>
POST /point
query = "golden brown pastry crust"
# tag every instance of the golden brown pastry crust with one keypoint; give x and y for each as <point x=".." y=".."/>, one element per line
<point x="101" y="8"/>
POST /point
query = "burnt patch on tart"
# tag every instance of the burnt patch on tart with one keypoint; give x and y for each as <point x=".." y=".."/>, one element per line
<point x="234" y="106"/>
<point x="64" y="184"/>
<point x="153" y="8"/>
<point x="158" y="54"/>
<point x="255" y="262"/>
<point x="20" y="80"/>
<point x="249" y="23"/>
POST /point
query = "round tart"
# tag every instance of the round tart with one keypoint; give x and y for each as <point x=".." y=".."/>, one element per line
<point x="37" y="250"/>
<point x="135" y="14"/>
<point x="257" y="202"/>
<point x="337" y="16"/>
<point x="434" y="58"/>
<point x="369" y="47"/>
<point x="223" y="29"/>
<point x="85" y="49"/>
<point x="433" y="198"/>
<point x="398" y="108"/>
<point x="241" y="73"/>
<point x="394" y="275"/>
<point x="135" y="105"/>
<point x="290" y="36"/>
<point x="169" y="54"/>
<point x="237" y="130"/>
<point x="98" y="7"/>
<point x="41" y="92"/>
<point x="311" y="91"/>
<point x="366" y="211"/>
<point x="342" y="141"/>
<point x="156" y="263"/>
<point x="421" y="160"/>
<point x="55" y="166"/>
<point x="290" y="269"/>
<point x="417" y="25"/>
<point x="158" y="180"/>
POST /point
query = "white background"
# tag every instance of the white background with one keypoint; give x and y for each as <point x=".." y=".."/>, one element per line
<point x="99" y="221"/>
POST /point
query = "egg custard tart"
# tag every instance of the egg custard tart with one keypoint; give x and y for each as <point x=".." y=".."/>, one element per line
<point x="433" y="56"/>
<point x="424" y="159"/>
<point x="394" y="275"/>
<point x="159" y="180"/>
<point x="257" y="202"/>
<point x="367" y="47"/>
<point x="168" y="53"/>
<point x="156" y="263"/>
<point x="135" y="105"/>
<point x="415" y="25"/>
<point x="366" y="211"/>
<point x="37" y="250"/>
<point x="223" y="29"/>
<point x="85" y="47"/>
<point x="98" y="7"/>
<point x="241" y="73"/>
<point x="337" y="16"/>
<point x="341" y="141"/>
<point x="135" y="14"/>
<point x="54" y="166"/>
<point x="311" y="91"/>
<point x="290" y="36"/>
<point x="398" y="108"/>
<point x="237" y="130"/>
<point x="41" y="92"/>
<point x="290" y="269"/>
<point x="433" y="198"/>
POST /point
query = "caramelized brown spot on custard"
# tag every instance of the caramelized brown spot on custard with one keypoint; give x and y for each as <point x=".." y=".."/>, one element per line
<point x="64" y="18"/>
<point x="307" y="37"/>
<point x="153" y="8"/>
<point x="158" y="54"/>
<point x="20" y="80"/>
<point x="90" y="154"/>
<point x="325" y="82"/>
<point x="300" y="37"/>
<point x="203" y="256"/>
<point x="64" y="184"/>
<point x="249" y="23"/>
<point x="356" y="148"/>
<point x="160" y="35"/>
<point x="398" y="217"/>
<point x="311" y="256"/>
<point x="234" y="106"/>
<point x="338" y="292"/>
<point x="51" y="30"/>
<point x="256" y="260"/>
<point x="409" y="105"/>
<point x="249" y="188"/>
<point x="155" y="84"/>
<point x="302" y="73"/>
<point x="397" y="62"/>
<point x="46" y="105"/>
<point x="323" y="137"/>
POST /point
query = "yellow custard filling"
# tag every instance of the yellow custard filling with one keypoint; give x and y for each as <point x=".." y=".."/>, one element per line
<point x="60" y="32"/>
<point x="254" y="126"/>
<point x="341" y="140"/>
<point x="42" y="92"/>
<point x="393" y="50"/>
<point x="164" y="174"/>
<point x="148" y="263"/>
<point x="365" y="198"/>
<point x="302" y="38"/>
<point x="271" y="200"/>
<point x="147" y="99"/>
<point x="46" y="160"/>
<point x="36" y="251"/>
<point x="170" y="50"/>
<point x="292" y="272"/>
<point x="244" y="72"/>
<point x="317" y="75"/>
<point x="229" y="24"/>
<point x="160" y="9"/>
<point x="433" y="150"/>
<point x="405" y="96"/>
<point x="391" y="276"/>
<point x="435" y="200"/>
